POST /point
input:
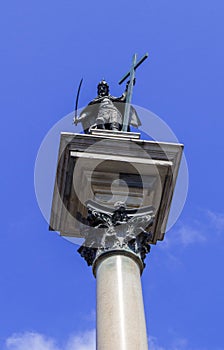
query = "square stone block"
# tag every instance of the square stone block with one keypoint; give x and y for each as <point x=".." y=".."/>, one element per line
<point x="109" y="168"/>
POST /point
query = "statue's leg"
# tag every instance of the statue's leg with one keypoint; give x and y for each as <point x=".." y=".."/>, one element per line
<point x="100" y="123"/>
<point x="115" y="126"/>
<point x="115" y="120"/>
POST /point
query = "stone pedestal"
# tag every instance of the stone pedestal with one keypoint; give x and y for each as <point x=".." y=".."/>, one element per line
<point x="109" y="168"/>
<point x="120" y="311"/>
<point x="114" y="191"/>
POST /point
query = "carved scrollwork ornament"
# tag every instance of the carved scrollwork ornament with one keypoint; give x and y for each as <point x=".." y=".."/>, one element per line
<point x="120" y="229"/>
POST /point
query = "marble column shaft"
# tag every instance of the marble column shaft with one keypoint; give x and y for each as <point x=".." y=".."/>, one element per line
<point x="120" y="310"/>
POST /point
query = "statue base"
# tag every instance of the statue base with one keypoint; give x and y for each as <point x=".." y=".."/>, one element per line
<point x="114" y="133"/>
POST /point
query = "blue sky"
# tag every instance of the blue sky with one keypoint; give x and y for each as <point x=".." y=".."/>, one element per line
<point x="47" y="293"/>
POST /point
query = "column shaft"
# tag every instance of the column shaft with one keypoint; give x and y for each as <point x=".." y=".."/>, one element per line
<point x="120" y="310"/>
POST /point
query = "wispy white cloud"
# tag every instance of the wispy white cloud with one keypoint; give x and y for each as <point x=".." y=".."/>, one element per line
<point x="30" y="340"/>
<point x="184" y="235"/>
<point x="180" y="344"/>
<point x="153" y="344"/>
<point x="196" y="231"/>
<point x="217" y="220"/>
<point x="189" y="235"/>
<point x="82" y="341"/>
<point x="37" y="341"/>
<point x="176" y="344"/>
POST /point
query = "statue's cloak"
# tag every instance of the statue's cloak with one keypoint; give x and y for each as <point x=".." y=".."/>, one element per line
<point x="92" y="110"/>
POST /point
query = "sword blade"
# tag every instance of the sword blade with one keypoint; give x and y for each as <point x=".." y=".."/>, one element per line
<point x="77" y="99"/>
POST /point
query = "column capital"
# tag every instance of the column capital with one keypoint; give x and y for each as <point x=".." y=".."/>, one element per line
<point x="117" y="230"/>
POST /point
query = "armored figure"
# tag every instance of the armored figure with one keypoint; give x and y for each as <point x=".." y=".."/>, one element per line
<point x="106" y="111"/>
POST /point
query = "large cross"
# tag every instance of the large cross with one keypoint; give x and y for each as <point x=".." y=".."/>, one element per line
<point x="131" y="73"/>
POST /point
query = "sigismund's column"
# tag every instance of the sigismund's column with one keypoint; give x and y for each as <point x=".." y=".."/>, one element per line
<point x="117" y="228"/>
<point x="117" y="265"/>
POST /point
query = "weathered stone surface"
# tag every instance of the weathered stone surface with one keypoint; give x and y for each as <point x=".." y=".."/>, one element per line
<point x="111" y="168"/>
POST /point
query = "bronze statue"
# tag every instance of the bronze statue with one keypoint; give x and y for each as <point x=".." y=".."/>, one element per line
<point x="109" y="112"/>
<point x="106" y="111"/>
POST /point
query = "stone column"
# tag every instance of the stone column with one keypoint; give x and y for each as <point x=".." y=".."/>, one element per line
<point x="116" y="246"/>
<point x="120" y="310"/>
